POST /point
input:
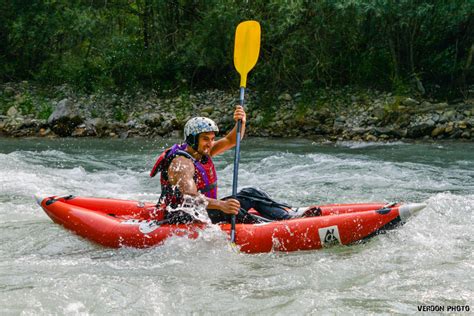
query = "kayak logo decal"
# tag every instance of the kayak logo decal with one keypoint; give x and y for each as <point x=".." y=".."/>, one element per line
<point x="148" y="227"/>
<point x="145" y="227"/>
<point x="329" y="236"/>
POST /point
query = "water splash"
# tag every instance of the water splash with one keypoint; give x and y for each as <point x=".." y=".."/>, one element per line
<point x="194" y="206"/>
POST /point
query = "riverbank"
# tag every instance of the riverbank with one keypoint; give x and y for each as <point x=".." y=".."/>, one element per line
<point x="343" y="114"/>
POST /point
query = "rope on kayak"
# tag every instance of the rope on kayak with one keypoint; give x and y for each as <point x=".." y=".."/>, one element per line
<point x="66" y="197"/>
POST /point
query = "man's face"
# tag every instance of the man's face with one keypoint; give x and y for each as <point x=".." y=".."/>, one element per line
<point x="206" y="141"/>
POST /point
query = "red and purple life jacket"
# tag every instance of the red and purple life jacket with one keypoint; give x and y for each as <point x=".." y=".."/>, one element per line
<point x="205" y="175"/>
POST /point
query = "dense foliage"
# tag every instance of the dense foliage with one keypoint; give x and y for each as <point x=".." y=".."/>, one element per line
<point x="187" y="44"/>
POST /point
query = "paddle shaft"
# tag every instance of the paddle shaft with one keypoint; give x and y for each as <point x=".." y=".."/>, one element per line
<point x="246" y="50"/>
<point x="236" y="163"/>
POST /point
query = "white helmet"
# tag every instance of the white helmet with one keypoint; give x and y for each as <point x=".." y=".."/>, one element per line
<point x="196" y="126"/>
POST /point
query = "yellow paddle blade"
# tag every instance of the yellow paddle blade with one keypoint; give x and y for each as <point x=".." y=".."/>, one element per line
<point x="234" y="247"/>
<point x="246" y="48"/>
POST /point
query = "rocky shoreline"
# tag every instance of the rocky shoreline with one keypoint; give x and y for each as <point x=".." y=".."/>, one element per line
<point x="366" y="115"/>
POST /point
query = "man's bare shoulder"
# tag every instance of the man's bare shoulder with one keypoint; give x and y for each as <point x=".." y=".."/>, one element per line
<point x="181" y="164"/>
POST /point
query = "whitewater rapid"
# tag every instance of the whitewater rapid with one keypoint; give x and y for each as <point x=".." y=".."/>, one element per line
<point x="45" y="269"/>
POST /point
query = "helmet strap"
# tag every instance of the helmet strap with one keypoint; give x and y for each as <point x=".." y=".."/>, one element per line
<point x="193" y="141"/>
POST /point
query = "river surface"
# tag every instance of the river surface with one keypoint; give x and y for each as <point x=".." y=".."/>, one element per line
<point x="46" y="270"/>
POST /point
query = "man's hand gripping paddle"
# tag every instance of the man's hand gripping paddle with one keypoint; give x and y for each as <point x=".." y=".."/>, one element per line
<point x="246" y="50"/>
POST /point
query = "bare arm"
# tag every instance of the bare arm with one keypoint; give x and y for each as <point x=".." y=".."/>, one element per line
<point x="181" y="174"/>
<point x="230" y="140"/>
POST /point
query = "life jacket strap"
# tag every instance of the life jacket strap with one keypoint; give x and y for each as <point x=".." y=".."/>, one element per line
<point x="208" y="187"/>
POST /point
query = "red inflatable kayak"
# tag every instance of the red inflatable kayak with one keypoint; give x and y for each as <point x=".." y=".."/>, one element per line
<point x="122" y="223"/>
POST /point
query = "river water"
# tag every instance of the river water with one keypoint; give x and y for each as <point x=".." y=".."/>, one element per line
<point x="429" y="262"/>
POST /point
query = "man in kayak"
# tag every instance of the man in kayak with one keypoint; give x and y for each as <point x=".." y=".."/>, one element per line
<point x="187" y="169"/>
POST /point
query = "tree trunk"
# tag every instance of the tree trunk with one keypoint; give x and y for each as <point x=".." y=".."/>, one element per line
<point x="393" y="53"/>
<point x="468" y="64"/>
<point x="413" y="32"/>
<point x="146" y="24"/>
